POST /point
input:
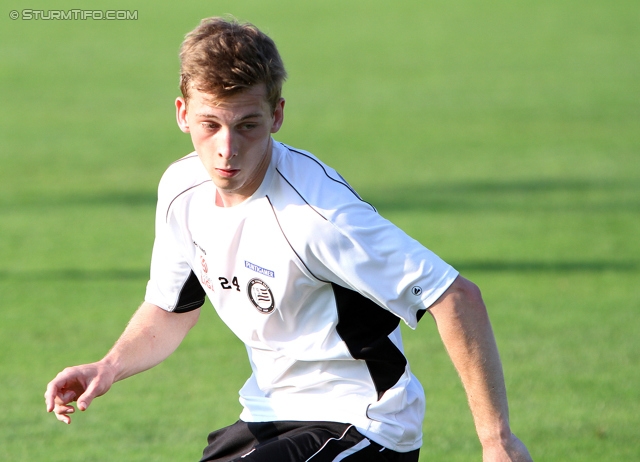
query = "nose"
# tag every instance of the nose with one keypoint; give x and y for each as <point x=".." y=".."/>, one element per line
<point x="226" y="145"/>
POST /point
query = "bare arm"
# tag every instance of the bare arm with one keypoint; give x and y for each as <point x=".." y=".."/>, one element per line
<point x="149" y="338"/>
<point x="465" y="329"/>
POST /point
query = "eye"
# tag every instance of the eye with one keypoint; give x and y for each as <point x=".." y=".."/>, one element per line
<point x="209" y="126"/>
<point x="248" y="126"/>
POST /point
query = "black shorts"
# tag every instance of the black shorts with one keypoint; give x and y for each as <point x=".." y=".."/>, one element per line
<point x="290" y="441"/>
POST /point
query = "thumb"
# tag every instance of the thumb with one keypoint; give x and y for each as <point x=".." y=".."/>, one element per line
<point x="85" y="399"/>
<point x="98" y="386"/>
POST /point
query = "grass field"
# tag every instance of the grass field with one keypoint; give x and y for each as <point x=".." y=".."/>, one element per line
<point x="503" y="135"/>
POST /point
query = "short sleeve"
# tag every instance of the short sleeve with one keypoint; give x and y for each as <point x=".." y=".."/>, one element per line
<point x="342" y="239"/>
<point x="364" y="252"/>
<point x="173" y="285"/>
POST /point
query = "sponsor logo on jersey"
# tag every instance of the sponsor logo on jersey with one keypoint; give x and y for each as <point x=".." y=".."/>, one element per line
<point x="204" y="277"/>
<point x="206" y="282"/>
<point x="261" y="296"/>
<point x="416" y="290"/>
<point x="258" y="269"/>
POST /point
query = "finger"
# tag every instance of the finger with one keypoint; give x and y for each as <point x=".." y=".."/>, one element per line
<point x="55" y="387"/>
<point x="62" y="413"/>
<point x="63" y="418"/>
<point x="49" y="396"/>
<point x="85" y="399"/>
<point x="59" y="398"/>
<point x="66" y="397"/>
<point x="60" y="401"/>
<point x="64" y="410"/>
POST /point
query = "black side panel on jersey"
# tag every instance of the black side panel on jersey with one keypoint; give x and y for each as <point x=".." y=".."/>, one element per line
<point x="365" y="328"/>
<point x="420" y="314"/>
<point x="191" y="296"/>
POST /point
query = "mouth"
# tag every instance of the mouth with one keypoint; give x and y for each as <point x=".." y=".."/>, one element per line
<point x="227" y="172"/>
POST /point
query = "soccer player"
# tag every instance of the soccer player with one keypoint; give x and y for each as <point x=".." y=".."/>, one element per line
<point x="308" y="275"/>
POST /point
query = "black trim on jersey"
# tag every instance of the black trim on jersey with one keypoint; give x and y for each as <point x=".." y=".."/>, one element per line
<point x="191" y="296"/>
<point x="301" y="196"/>
<point x="180" y="194"/>
<point x="343" y="182"/>
<point x="365" y="328"/>
<point x="187" y="157"/>
<point x="275" y="215"/>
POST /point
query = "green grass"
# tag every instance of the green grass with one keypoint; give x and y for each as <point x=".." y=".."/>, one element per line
<point x="502" y="135"/>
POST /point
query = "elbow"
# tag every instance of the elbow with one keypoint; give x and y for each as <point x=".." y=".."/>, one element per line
<point x="467" y="294"/>
<point x="463" y="298"/>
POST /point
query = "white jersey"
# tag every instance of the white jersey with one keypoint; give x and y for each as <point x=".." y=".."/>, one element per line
<point x="313" y="281"/>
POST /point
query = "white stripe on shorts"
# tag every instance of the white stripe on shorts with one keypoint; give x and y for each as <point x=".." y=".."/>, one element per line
<point x="361" y="445"/>
<point x="344" y="454"/>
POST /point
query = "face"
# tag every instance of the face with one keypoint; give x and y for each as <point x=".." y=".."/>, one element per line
<point x="232" y="138"/>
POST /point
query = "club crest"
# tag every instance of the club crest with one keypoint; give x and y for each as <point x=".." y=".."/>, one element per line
<point x="260" y="295"/>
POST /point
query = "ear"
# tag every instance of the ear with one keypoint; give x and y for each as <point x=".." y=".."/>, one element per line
<point x="278" y="116"/>
<point x="181" y="114"/>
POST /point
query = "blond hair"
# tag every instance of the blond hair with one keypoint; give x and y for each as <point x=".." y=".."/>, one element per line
<point x="223" y="57"/>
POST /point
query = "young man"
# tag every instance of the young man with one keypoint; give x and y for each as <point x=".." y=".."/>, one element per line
<point x="304" y="272"/>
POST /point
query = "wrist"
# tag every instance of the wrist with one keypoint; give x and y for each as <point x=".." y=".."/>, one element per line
<point x="111" y="366"/>
<point x="497" y="436"/>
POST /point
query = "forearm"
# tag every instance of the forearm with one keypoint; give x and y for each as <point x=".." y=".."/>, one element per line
<point x="466" y="332"/>
<point x="149" y="338"/>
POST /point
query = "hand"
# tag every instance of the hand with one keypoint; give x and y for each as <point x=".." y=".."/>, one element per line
<point x="511" y="450"/>
<point x="79" y="383"/>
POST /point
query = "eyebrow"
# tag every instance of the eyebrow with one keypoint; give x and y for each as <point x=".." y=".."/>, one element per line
<point x="213" y="116"/>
